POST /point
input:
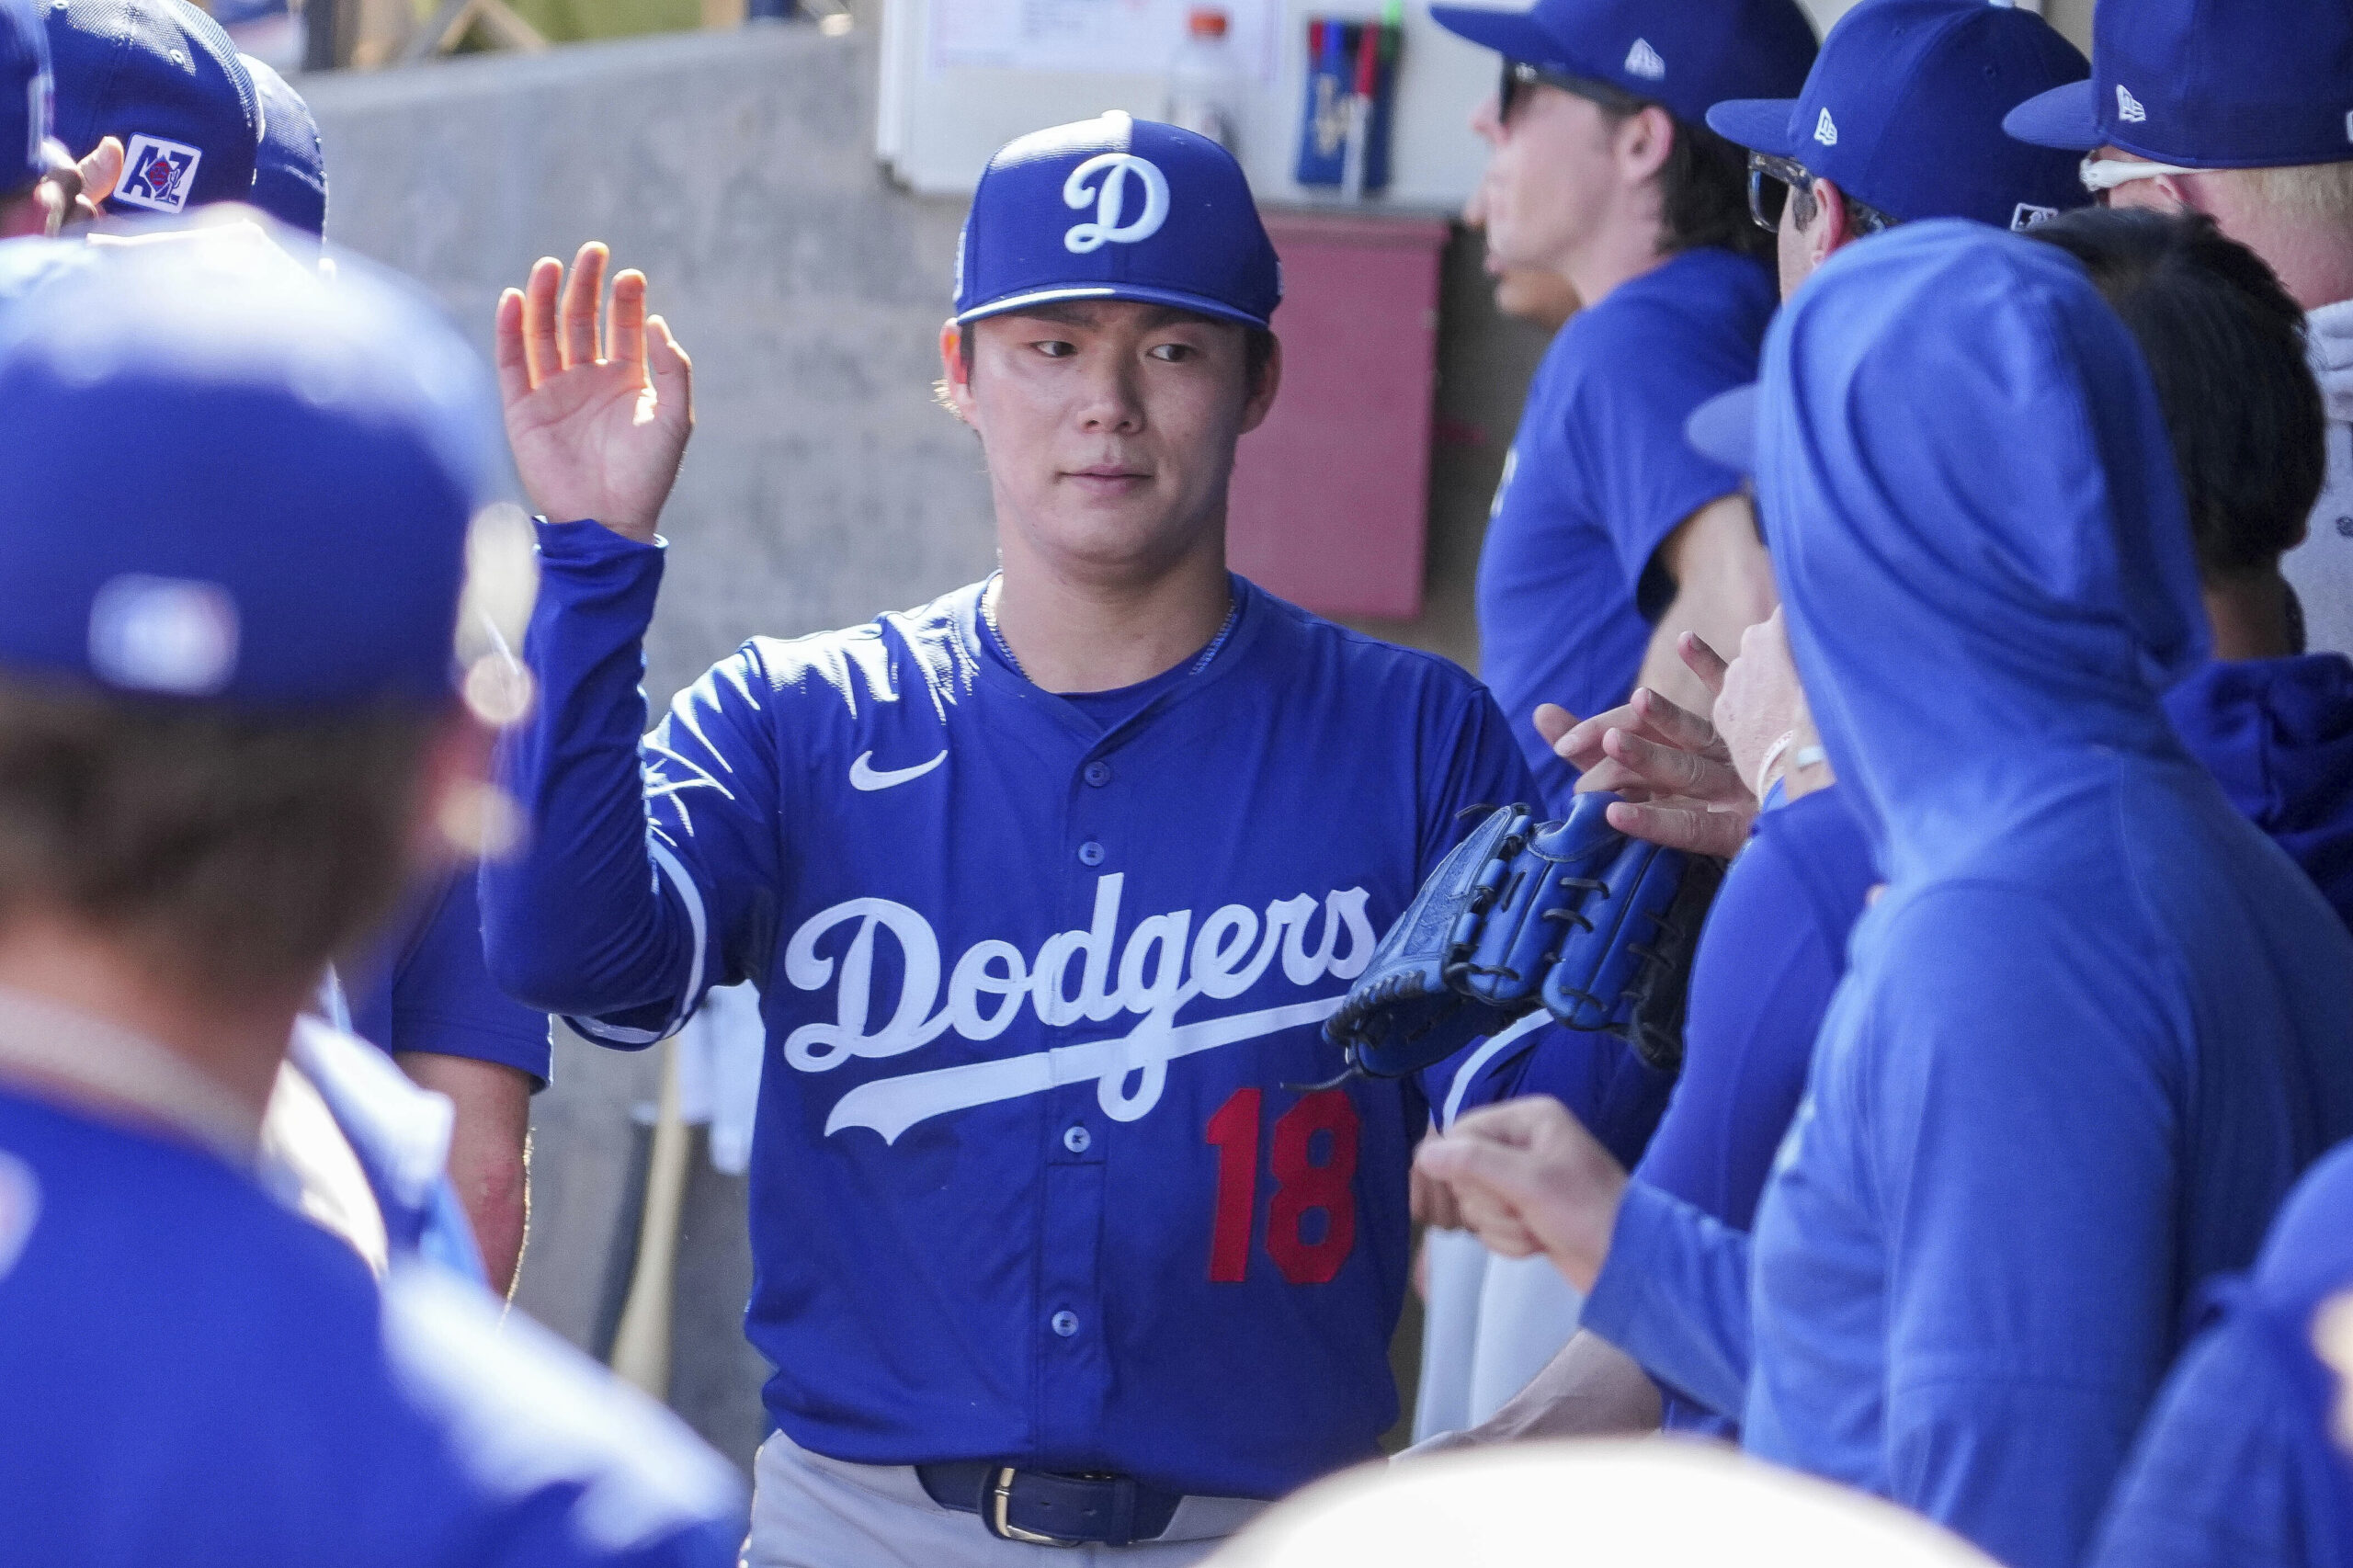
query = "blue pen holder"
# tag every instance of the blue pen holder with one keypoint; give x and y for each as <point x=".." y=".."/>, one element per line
<point x="1333" y="47"/>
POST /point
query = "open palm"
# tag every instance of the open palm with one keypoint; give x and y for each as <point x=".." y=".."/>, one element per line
<point x="597" y="418"/>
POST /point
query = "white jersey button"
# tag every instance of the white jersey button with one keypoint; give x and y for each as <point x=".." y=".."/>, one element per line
<point x="1090" y="853"/>
<point x="1098" y="774"/>
<point x="1065" y="1324"/>
<point x="1077" y="1139"/>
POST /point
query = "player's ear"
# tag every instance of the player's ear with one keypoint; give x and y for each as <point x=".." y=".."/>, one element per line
<point x="1831" y="229"/>
<point x="1644" y="141"/>
<point x="1265" y="380"/>
<point x="955" y="386"/>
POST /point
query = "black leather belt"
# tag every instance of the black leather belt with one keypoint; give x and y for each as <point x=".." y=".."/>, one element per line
<point x="1045" y="1509"/>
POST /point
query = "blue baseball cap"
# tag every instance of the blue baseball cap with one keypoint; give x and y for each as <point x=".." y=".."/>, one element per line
<point x="290" y="166"/>
<point x="1903" y="111"/>
<point x="1117" y="209"/>
<point x="291" y="459"/>
<point x="163" y="78"/>
<point x="2208" y="85"/>
<point x="1687" y="54"/>
<point x="28" y="96"/>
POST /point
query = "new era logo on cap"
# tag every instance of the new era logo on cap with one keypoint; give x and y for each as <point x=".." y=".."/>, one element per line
<point x="168" y="634"/>
<point x="1644" y="61"/>
<point x="1826" y="130"/>
<point x="157" y="175"/>
<point x="2028" y="215"/>
<point x="2128" y="108"/>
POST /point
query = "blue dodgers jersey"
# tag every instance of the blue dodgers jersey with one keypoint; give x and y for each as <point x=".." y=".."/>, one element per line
<point x="1032" y="1180"/>
<point x="2240" y="1462"/>
<point x="1599" y="475"/>
<point x="428" y="990"/>
<point x="191" y="1374"/>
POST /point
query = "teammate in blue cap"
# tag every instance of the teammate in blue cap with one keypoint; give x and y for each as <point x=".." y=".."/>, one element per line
<point x="1042" y="890"/>
<point x="2241" y="109"/>
<point x="1610" y="536"/>
<point x="289" y="164"/>
<point x="228" y="725"/>
<point x="2244" y="1460"/>
<point x="1900" y="119"/>
<point x="160" y="78"/>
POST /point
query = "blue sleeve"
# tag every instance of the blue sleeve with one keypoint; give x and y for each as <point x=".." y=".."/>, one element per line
<point x="2215" y="1481"/>
<point x="1673" y="1294"/>
<point x="1644" y="372"/>
<point x="647" y="871"/>
<point x="2020" y="1138"/>
<point x="1771" y="953"/>
<point x="442" y="999"/>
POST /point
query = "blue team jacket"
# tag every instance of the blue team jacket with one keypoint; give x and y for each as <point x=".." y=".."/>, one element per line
<point x="2239" y="1466"/>
<point x="2097" y="1023"/>
<point x="191" y="1374"/>
<point x="1030" y="1179"/>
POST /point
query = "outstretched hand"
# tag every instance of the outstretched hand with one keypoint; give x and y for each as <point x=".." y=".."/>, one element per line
<point x="598" y="420"/>
<point x="1526" y="1176"/>
<point x="1680" y="786"/>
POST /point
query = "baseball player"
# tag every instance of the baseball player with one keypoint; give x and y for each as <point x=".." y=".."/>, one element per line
<point x="2272" y="727"/>
<point x="1057" y="1240"/>
<point x="1962" y="1207"/>
<point x="228" y="722"/>
<point x="159" y="74"/>
<point x="1610" y="536"/>
<point x="1899" y="118"/>
<point x="2239" y="111"/>
<point x="2244" y="1460"/>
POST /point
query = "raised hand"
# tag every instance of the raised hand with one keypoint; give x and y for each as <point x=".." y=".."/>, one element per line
<point x="596" y="434"/>
<point x="1526" y="1176"/>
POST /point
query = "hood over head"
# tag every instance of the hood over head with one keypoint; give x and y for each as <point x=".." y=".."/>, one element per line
<point x="1972" y="510"/>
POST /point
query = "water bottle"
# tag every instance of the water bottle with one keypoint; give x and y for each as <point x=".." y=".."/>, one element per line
<point x="1205" y="82"/>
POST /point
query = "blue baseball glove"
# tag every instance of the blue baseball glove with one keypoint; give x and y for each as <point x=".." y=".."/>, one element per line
<point x="1572" y="916"/>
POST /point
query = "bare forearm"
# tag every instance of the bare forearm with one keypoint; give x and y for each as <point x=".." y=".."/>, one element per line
<point x="489" y="1153"/>
<point x="1591" y="1389"/>
<point x="1723" y="585"/>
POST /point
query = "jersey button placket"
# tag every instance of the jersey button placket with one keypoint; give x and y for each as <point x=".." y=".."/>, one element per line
<point x="1064" y="1323"/>
<point x="1090" y="853"/>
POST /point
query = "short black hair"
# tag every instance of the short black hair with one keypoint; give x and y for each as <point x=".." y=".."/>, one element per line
<point x="2225" y="345"/>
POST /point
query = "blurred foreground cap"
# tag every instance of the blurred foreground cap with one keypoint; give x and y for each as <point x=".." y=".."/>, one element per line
<point x="234" y="477"/>
<point x="1599" y="1505"/>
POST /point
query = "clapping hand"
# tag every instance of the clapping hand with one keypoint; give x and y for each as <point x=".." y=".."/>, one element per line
<point x="1680" y="786"/>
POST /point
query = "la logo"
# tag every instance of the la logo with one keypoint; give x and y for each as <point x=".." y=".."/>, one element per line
<point x="1110" y="199"/>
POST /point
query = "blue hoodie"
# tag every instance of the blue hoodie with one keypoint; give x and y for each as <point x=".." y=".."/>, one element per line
<point x="2278" y="733"/>
<point x="2236" y="1467"/>
<point x="2098" y="1024"/>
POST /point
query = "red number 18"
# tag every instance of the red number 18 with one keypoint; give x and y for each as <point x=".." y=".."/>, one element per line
<point x="1302" y="1186"/>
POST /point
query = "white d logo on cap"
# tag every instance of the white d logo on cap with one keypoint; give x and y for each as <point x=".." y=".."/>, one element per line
<point x="1110" y="204"/>
<point x="164" y="634"/>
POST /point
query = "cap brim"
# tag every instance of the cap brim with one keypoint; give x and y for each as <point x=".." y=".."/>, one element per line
<point x="2065" y="117"/>
<point x="1760" y="124"/>
<point x="1515" y="35"/>
<point x="1177" y="299"/>
<point x="1723" y="429"/>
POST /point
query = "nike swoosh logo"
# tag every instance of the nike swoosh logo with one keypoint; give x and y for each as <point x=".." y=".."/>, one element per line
<point x="863" y="774"/>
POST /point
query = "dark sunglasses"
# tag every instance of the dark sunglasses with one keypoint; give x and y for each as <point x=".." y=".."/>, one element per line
<point x="1519" y="75"/>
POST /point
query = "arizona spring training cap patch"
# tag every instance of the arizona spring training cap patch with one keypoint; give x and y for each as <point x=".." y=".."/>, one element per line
<point x="157" y="175"/>
<point x="1117" y="209"/>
